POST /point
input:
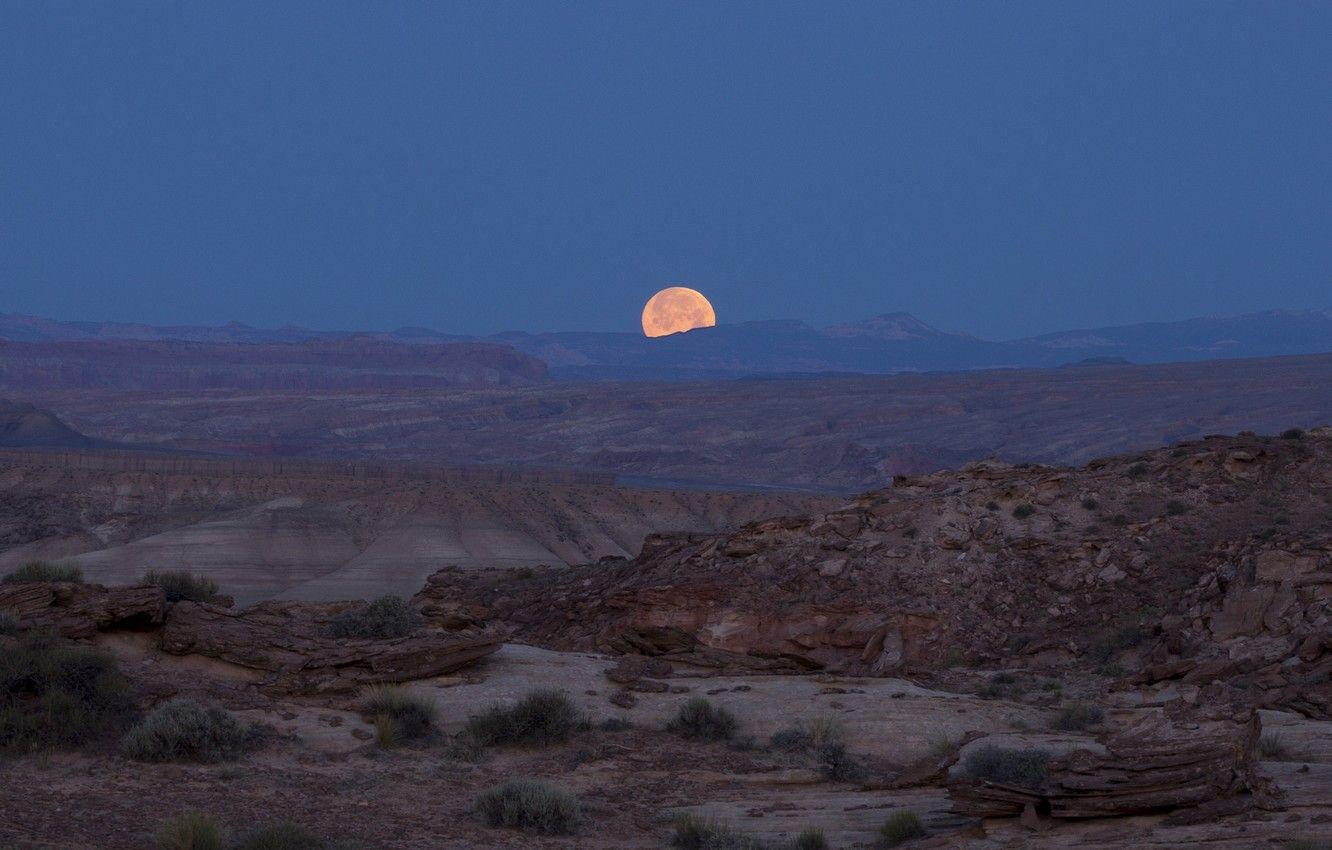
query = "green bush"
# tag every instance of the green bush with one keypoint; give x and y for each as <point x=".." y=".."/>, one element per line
<point x="695" y="833"/>
<point x="1023" y="511"/>
<point x="1022" y="768"/>
<point x="403" y="715"/>
<point x="191" y="831"/>
<point x="9" y="624"/>
<point x="810" y="838"/>
<point x="280" y="835"/>
<point x="184" y="730"/>
<point x="182" y="586"/>
<point x="530" y="806"/>
<point x="45" y="571"/>
<point x="1076" y="716"/>
<point x="539" y="719"/>
<point x="700" y="720"/>
<point x="902" y="826"/>
<point x="387" y="617"/>
<point x="56" y="694"/>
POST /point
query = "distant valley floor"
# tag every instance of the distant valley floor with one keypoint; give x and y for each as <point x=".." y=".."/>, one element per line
<point x="832" y="434"/>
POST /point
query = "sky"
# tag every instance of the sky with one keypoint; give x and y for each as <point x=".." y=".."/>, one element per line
<point x="1001" y="169"/>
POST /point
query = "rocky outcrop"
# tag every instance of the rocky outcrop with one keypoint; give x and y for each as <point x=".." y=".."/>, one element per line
<point x="288" y="642"/>
<point x="1205" y="561"/>
<point x="79" y="611"/>
<point x="1159" y="764"/>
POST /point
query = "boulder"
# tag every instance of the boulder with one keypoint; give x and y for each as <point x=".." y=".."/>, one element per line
<point x="1176" y="759"/>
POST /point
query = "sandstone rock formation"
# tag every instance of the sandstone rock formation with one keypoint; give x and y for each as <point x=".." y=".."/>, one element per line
<point x="1161" y="763"/>
<point x="81" y="610"/>
<point x="1208" y="562"/>
<point x="286" y="643"/>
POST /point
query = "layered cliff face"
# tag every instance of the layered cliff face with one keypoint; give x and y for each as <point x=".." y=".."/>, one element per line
<point x="1209" y="560"/>
<point x="337" y="364"/>
<point x="321" y="531"/>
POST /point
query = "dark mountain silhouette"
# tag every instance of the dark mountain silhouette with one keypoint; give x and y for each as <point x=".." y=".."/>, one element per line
<point x="889" y="343"/>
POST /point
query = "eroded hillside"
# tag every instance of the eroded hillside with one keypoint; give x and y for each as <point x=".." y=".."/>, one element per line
<point x="315" y="531"/>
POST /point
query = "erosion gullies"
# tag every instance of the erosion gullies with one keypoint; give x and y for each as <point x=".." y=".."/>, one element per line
<point x="317" y="531"/>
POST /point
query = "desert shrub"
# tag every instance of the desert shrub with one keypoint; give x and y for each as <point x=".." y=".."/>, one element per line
<point x="1076" y="716"/>
<point x="1023" y="768"/>
<point x="1293" y="434"/>
<point x="1090" y="504"/>
<point x="700" y="720"/>
<point x="695" y="833"/>
<point x="1136" y="470"/>
<point x="810" y="838"/>
<point x="1306" y="844"/>
<point x="9" y="624"/>
<point x="837" y="764"/>
<point x="387" y="617"/>
<point x="1271" y="746"/>
<point x="56" y="694"/>
<point x="191" y="831"/>
<point x="539" y="719"/>
<point x="901" y="827"/>
<point x="182" y="586"/>
<point x="1023" y="511"/>
<point x="807" y="734"/>
<point x="184" y="730"/>
<point x="398" y="714"/>
<point x="530" y="806"/>
<point x="1174" y="507"/>
<point x="280" y="835"/>
<point x="615" y="724"/>
<point x="45" y="571"/>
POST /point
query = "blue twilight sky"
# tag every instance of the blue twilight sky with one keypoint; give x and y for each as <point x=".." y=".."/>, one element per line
<point x="996" y="168"/>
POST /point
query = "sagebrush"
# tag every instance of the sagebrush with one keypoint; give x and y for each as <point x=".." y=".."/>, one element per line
<point x="181" y="586"/>
<point x="185" y="730"/>
<point x="541" y="718"/>
<point x="530" y="806"/>
<point x="45" y="571"/>
<point x="700" y="720"/>
<point x="385" y="618"/>
<point x="56" y="694"/>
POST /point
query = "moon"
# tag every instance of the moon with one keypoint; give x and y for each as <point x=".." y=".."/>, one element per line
<point x="676" y="309"/>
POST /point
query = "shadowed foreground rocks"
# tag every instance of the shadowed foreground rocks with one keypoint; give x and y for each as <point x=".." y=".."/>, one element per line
<point x="1181" y="758"/>
<point x="287" y="643"/>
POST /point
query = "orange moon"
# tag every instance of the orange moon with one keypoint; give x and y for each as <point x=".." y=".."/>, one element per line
<point x="676" y="309"/>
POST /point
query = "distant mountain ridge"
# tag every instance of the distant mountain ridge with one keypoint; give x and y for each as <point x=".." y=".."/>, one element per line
<point x="883" y="344"/>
